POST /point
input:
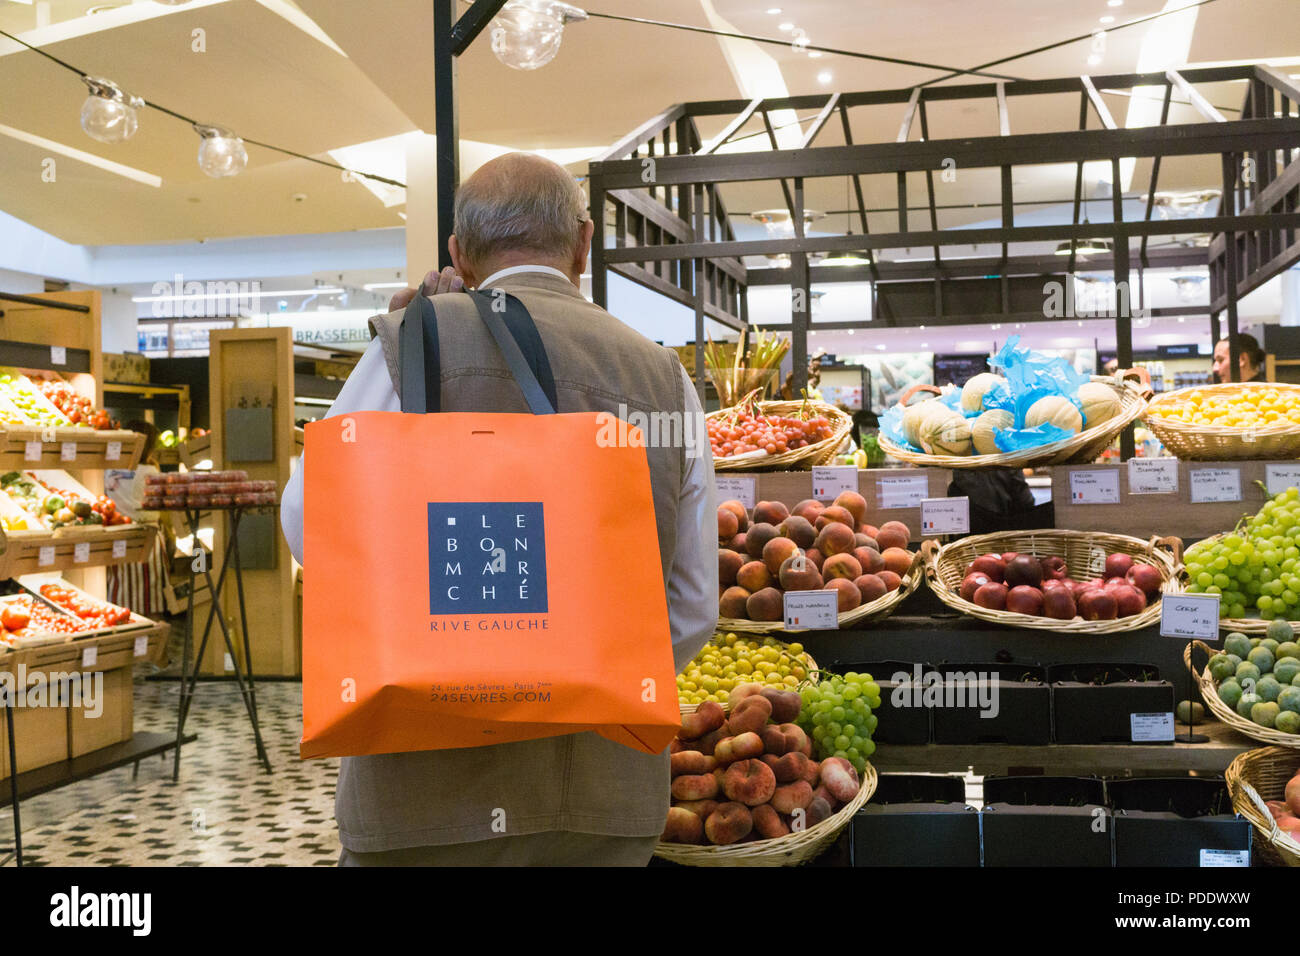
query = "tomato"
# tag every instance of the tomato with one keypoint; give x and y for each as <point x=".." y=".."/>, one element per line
<point x="14" y="617"/>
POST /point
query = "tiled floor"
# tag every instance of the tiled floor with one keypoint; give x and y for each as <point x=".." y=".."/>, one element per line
<point x="225" y="809"/>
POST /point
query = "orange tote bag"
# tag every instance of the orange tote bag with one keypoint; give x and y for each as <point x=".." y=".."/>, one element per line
<point x="479" y="578"/>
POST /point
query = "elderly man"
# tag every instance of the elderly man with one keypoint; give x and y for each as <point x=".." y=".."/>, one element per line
<point x="522" y="228"/>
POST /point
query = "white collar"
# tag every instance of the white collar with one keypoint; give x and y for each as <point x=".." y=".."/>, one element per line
<point x="515" y="270"/>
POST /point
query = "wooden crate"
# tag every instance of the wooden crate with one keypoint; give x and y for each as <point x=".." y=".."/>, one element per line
<point x="20" y="551"/>
<point x="91" y="448"/>
<point x="791" y="487"/>
<point x="113" y="724"/>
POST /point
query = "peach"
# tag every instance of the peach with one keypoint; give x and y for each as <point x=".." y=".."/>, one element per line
<point x="870" y="559"/>
<point x="792" y="796"/>
<point x="818" y="810"/>
<point x="741" y="691"/>
<point x="750" y="714"/>
<point x="728" y="525"/>
<point x="730" y="823"/>
<point x="768" y="823"/>
<point x="849" y="595"/>
<point x="840" y="778"/>
<point x="708" y="717"/>
<point x="682" y="826"/>
<point x="709" y="741"/>
<point x="765" y="605"/>
<point x="836" y="515"/>
<point x="870" y="587"/>
<point x="816" y="557"/>
<point x="701" y="808"/>
<point x="786" y="704"/>
<point x="776" y="551"/>
<point x="841" y="566"/>
<point x="898" y="560"/>
<point x="800" y="574"/>
<point x="821" y="793"/>
<point x="737" y="543"/>
<point x="791" y="766"/>
<point x="854" y="504"/>
<point x="775" y="741"/>
<point x="754" y="576"/>
<point x="891" y="538"/>
<point x="870" y="530"/>
<point x="697" y="786"/>
<point x="737" y="509"/>
<point x="799" y="530"/>
<point x="733" y="602"/>
<point x="729" y="562"/>
<point x="741" y="747"/>
<point x="896" y="526"/>
<point x="808" y="509"/>
<point x="892" y="581"/>
<point x="770" y="512"/>
<point x="757" y="537"/>
<point x="834" y="539"/>
<point x="690" y="762"/>
<point x="676" y="746"/>
<point x="750" y="782"/>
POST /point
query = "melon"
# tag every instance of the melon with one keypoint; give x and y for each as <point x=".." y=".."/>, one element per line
<point x="1099" y="403"/>
<point x="983" y="428"/>
<point x="945" y="435"/>
<point x="973" y="392"/>
<point x="916" y="415"/>
<point x="1054" y="410"/>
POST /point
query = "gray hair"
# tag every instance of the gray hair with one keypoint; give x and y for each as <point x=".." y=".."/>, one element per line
<point x="519" y="202"/>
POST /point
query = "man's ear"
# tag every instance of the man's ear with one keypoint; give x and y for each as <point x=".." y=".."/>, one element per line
<point x="585" y="232"/>
<point x="459" y="263"/>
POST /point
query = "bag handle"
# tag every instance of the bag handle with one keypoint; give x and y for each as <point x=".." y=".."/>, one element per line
<point x="521" y="347"/>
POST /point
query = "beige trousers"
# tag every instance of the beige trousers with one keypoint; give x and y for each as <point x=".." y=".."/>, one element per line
<point x="556" y="848"/>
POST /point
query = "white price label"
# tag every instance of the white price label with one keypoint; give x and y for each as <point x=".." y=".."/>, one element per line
<point x="119" y="548"/>
<point x="229" y="662"/>
<point x="89" y="656"/>
<point x="945" y="516"/>
<point x="58" y="355"/>
<point x="1152" y="476"/>
<point x="902" y="491"/>
<point x="1225" y="858"/>
<point x="1278" y="478"/>
<point x="735" y="488"/>
<point x="1215" y="484"/>
<point x="46" y="555"/>
<point x="32" y="451"/>
<point x="1096" y="487"/>
<point x="1190" y="615"/>
<point x="68" y="451"/>
<point x="141" y="646"/>
<point x="1152" y="728"/>
<point x="815" y="610"/>
<point x="81" y="552"/>
<point x="113" y="451"/>
<point x="829" y="480"/>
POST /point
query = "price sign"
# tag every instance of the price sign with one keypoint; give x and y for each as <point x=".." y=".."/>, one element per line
<point x="1190" y="615"/>
<point x="89" y="656"/>
<point x="229" y="662"/>
<point x="806" y="610"/>
<point x="68" y="451"/>
<point x="1278" y="478"/>
<point x="1225" y="858"/>
<point x="119" y="548"/>
<point x="141" y="646"/>
<point x="81" y="552"/>
<point x="1151" y="728"/>
<point x="32" y="450"/>
<point x="735" y="487"/>
<point x="58" y="355"/>
<point x="1152" y="476"/>
<point x="829" y="480"/>
<point x="945" y="516"/>
<point x="46" y="555"/>
<point x="1096" y="487"/>
<point x="1215" y="484"/>
<point x="903" y="491"/>
<point x="113" y="451"/>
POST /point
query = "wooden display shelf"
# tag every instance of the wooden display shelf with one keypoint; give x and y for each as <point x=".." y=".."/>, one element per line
<point x="791" y="487"/>
<point x="1071" y="759"/>
<point x="90" y="445"/>
<point x="113" y="649"/>
<point x="20" y="551"/>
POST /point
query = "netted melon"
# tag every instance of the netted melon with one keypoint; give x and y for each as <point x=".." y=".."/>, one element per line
<point x="1099" y="403"/>
<point x="982" y="430"/>
<point x="915" y="415"/>
<point x="945" y="434"/>
<point x="1056" y="410"/>
<point x="973" y="392"/>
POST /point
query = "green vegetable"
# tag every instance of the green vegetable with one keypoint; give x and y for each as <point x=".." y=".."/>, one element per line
<point x="53" y="503"/>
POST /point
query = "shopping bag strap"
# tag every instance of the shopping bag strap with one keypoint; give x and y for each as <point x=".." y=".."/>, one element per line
<point x="511" y="327"/>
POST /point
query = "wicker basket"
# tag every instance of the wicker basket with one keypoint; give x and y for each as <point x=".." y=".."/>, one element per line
<point x="1245" y="625"/>
<point x="1254" y="777"/>
<point x="1225" y="713"/>
<point x="810" y="666"/>
<point x="945" y="567"/>
<point x="789" y="850"/>
<point x="1082" y="448"/>
<point x="881" y="607"/>
<point x="818" y="453"/>
<point x="1223" y="442"/>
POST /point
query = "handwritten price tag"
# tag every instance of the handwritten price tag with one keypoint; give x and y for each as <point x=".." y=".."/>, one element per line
<point x="32" y="451"/>
<point x="81" y="552"/>
<point x="141" y="646"/>
<point x="1152" y="476"/>
<point x="89" y="656"/>
<point x="829" y="480"/>
<point x="1098" y="487"/>
<point x="1215" y="484"/>
<point x="113" y="451"/>
<point x="45" y="556"/>
<point x="811" y="610"/>
<point x="68" y="451"/>
<point x="903" y="491"/>
<point x="1151" y="728"/>
<point x="1190" y="615"/>
<point x="1278" y="478"/>
<point x="119" y="548"/>
<point x="58" y="355"/>
<point x="735" y="487"/>
<point x="945" y="516"/>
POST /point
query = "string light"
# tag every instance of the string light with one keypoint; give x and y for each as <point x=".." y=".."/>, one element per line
<point x="109" y="114"/>
<point x="526" y="34"/>
<point x="221" y="152"/>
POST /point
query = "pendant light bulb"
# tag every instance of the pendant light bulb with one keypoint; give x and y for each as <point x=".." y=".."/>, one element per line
<point x="109" y="115"/>
<point x="526" y="34"/>
<point x="221" y="152"/>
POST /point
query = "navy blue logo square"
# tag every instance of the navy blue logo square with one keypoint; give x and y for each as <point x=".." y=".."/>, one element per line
<point x="487" y="557"/>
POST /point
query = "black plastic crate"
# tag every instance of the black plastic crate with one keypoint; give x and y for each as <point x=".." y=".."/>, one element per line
<point x="1094" y="703"/>
<point x="917" y="820"/>
<point x="1045" y="821"/>
<point x="897" y="725"/>
<point x="1024" y="705"/>
<point x="1168" y="821"/>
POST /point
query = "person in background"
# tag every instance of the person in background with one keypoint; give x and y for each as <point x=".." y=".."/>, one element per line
<point x="1250" y="358"/>
<point x="138" y="586"/>
<point x="865" y="422"/>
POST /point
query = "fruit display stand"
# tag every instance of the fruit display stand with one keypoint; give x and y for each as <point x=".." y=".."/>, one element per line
<point x="893" y="494"/>
<point x="25" y="552"/>
<point x="1254" y="778"/>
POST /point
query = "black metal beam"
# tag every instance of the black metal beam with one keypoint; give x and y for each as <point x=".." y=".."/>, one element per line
<point x="647" y="130"/>
<point x="733" y="127"/>
<point x="44" y="303"/>
<point x="472" y="22"/>
<point x="1155" y="169"/>
<point x="446" y="123"/>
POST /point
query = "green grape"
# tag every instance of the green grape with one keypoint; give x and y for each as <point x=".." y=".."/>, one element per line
<point x="838" y="713"/>
<point x="1222" y="581"/>
<point x="833" y="728"/>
